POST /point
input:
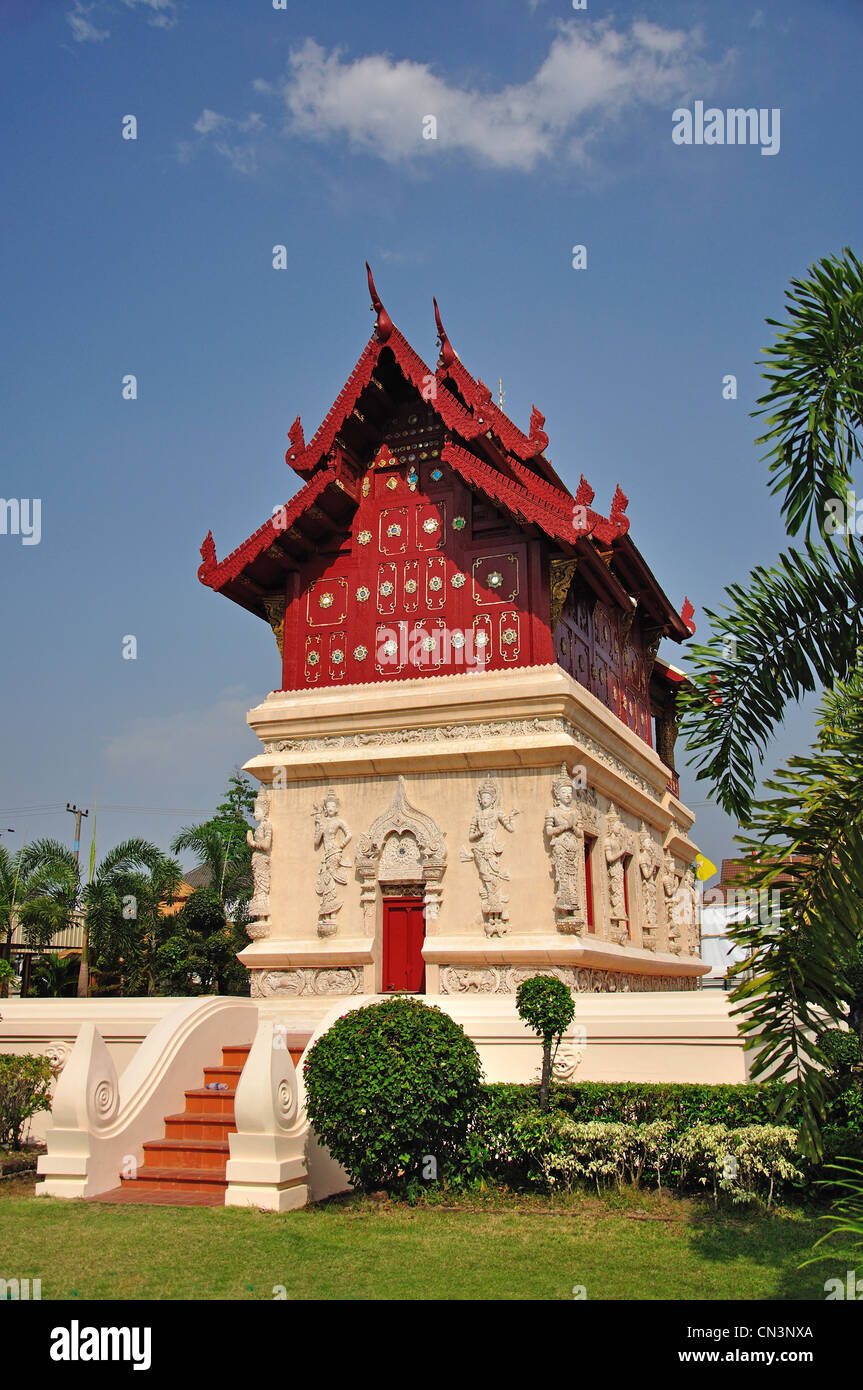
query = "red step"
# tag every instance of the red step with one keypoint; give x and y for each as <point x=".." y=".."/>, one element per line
<point x="188" y="1165"/>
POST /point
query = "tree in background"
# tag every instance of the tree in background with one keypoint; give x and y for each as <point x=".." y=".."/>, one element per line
<point x="54" y="976"/>
<point x="220" y="846"/>
<point x="795" y="627"/>
<point x="107" y="903"/>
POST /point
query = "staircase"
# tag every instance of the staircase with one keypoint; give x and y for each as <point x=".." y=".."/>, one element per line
<point x="187" y="1166"/>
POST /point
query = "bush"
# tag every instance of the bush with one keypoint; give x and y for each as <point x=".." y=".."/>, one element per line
<point x="841" y="1048"/>
<point x="391" y="1086"/>
<point x="25" y="1088"/>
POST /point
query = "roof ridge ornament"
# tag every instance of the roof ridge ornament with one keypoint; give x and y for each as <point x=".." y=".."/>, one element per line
<point x="447" y="351"/>
<point x="208" y="554"/>
<point x="298" y="442"/>
<point x="537" y="436"/>
<point x="687" y="613"/>
<point x="384" y="324"/>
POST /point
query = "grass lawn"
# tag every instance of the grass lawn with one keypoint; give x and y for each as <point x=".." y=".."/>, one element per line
<point x="636" y="1245"/>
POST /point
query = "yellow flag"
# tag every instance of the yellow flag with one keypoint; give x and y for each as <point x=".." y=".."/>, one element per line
<point x="703" y="867"/>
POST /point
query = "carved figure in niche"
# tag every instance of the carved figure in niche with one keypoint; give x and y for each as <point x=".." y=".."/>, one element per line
<point x="486" y="855"/>
<point x="331" y="836"/>
<point x="615" y="851"/>
<point x="649" y="862"/>
<point x="691" y="912"/>
<point x="260" y="841"/>
<point x="671" y="890"/>
<point x="566" y="843"/>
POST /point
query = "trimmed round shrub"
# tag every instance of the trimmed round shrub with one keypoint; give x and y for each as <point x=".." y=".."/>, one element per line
<point x="391" y="1090"/>
<point x="546" y="1005"/>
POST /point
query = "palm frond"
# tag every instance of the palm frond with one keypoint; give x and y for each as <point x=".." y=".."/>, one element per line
<point x="814" y="404"/>
<point x="796" y="626"/>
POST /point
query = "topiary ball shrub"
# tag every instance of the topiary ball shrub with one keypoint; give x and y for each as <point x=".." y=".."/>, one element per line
<point x="391" y="1089"/>
<point x="546" y="1005"/>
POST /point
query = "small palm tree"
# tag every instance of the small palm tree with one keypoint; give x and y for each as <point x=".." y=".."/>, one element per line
<point x="54" y="976"/>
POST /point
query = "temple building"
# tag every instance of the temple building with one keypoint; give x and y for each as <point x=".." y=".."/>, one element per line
<point x="467" y="773"/>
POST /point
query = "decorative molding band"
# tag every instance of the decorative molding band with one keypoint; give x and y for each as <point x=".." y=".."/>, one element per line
<point x="506" y="980"/>
<point x="341" y="980"/>
<point x="498" y="728"/>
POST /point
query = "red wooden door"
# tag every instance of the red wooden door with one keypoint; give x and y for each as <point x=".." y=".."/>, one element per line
<point x="404" y="933"/>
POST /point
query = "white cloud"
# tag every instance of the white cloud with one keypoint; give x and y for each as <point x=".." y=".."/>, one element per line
<point x="592" y="77"/>
<point x="163" y="13"/>
<point x="83" y="28"/>
<point x="757" y="20"/>
<point x="235" y="142"/>
<point x="153" y="746"/>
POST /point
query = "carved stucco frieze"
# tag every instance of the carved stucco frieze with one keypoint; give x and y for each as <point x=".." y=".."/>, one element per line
<point x="442" y="733"/>
<point x="337" y="981"/>
<point x="456" y="979"/>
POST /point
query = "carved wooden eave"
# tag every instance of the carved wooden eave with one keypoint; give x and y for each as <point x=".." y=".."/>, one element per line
<point x="276" y="617"/>
<point x="562" y="571"/>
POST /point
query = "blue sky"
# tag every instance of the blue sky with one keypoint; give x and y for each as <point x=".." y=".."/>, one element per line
<point x="302" y="127"/>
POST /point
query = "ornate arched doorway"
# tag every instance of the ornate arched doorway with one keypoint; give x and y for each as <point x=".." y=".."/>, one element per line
<point x="400" y="864"/>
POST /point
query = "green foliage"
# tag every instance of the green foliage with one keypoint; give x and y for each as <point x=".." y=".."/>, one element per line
<point x="802" y="969"/>
<point x="390" y="1085"/>
<point x="54" y="976"/>
<point x="795" y="627"/>
<point x="25" y="1088"/>
<point x="814" y="406"/>
<point x="846" y="1216"/>
<point x="546" y="1005"/>
<point x="840" y="1047"/>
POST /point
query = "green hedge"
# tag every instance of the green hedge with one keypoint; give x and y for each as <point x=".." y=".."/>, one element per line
<point x="495" y="1151"/>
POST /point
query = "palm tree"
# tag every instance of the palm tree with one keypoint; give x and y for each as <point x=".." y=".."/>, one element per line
<point x="226" y="856"/>
<point x="104" y="899"/>
<point x="54" y="976"/>
<point x="797" y="626"/>
<point x="28" y="896"/>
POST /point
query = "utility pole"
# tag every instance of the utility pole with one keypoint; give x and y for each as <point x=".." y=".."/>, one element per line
<point x="78" y="815"/>
<point x="84" y="972"/>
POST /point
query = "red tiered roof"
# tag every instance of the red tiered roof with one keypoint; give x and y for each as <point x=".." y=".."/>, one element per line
<point x="495" y="462"/>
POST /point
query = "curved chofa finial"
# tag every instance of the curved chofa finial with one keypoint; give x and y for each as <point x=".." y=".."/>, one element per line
<point x="384" y="324"/>
<point x="447" y="351"/>
<point x="208" y="555"/>
<point x="297" y="442"/>
<point x="538" y="437"/>
<point x="686" y="613"/>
